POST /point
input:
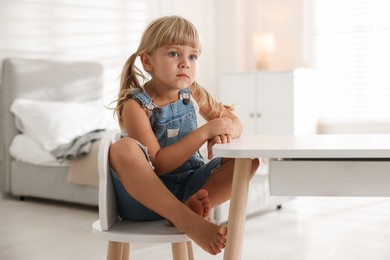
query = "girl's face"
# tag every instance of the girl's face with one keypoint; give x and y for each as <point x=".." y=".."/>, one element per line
<point x="174" y="66"/>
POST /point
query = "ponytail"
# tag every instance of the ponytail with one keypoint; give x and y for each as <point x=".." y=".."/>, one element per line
<point x="129" y="83"/>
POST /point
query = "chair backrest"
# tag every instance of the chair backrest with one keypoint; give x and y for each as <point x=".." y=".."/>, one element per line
<point x="108" y="212"/>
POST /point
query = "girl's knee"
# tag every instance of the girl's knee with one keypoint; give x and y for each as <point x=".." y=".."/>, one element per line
<point x="124" y="150"/>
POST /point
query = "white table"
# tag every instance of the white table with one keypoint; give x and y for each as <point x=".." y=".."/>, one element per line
<point x="317" y="165"/>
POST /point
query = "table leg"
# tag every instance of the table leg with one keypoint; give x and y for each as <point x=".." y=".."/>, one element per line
<point x="237" y="210"/>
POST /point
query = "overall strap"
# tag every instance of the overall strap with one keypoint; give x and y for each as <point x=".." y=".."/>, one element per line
<point x="144" y="100"/>
<point x="147" y="102"/>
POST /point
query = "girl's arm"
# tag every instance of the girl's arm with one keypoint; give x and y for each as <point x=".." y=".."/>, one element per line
<point x="209" y="114"/>
<point x="236" y="125"/>
<point x="211" y="109"/>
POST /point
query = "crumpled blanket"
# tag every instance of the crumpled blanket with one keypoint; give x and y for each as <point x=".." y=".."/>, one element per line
<point x="79" y="146"/>
<point x="84" y="171"/>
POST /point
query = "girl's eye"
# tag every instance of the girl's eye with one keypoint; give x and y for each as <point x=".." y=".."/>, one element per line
<point x="193" y="57"/>
<point x="173" y="54"/>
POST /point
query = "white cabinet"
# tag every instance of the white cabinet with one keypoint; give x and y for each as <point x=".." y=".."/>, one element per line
<point x="273" y="102"/>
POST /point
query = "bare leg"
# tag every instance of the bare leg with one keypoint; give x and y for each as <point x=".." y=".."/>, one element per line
<point x="219" y="184"/>
<point x="137" y="176"/>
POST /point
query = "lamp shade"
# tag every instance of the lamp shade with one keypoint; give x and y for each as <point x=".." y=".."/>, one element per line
<point x="263" y="43"/>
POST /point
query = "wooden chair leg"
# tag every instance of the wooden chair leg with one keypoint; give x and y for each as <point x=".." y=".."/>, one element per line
<point x="118" y="250"/>
<point x="190" y="251"/>
<point x="126" y="251"/>
<point x="179" y="251"/>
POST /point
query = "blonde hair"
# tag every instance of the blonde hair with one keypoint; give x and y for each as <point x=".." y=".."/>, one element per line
<point x="162" y="31"/>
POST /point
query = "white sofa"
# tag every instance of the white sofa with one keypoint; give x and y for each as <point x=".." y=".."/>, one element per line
<point x="48" y="81"/>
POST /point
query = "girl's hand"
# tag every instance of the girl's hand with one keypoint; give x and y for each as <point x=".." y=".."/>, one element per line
<point x="218" y="127"/>
<point x="219" y="139"/>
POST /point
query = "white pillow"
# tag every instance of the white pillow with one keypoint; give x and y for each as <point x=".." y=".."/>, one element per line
<point x="24" y="148"/>
<point x="53" y="123"/>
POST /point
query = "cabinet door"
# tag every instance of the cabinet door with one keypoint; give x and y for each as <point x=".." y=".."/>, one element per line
<point x="275" y="103"/>
<point x="239" y="90"/>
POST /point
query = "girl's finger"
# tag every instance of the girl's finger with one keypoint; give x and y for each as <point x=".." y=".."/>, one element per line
<point x="229" y="138"/>
<point x="223" y="139"/>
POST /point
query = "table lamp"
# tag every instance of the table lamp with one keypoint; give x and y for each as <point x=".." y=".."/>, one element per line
<point x="263" y="45"/>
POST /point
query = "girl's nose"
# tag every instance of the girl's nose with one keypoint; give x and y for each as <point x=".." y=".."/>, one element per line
<point x="184" y="63"/>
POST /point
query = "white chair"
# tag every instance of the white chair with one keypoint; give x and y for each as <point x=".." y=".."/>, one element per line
<point x="120" y="233"/>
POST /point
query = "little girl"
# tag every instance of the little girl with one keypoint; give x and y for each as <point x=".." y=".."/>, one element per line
<point x="156" y="167"/>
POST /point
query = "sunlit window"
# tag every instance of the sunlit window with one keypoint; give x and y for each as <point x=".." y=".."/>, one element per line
<point x="351" y="50"/>
<point x="89" y="30"/>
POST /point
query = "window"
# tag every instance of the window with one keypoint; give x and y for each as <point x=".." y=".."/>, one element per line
<point x="351" y="40"/>
<point x="90" y="30"/>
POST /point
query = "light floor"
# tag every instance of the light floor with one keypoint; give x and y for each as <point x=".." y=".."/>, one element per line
<point x="305" y="229"/>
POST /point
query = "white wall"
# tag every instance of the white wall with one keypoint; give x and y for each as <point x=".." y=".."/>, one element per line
<point x="240" y="19"/>
<point x="286" y="19"/>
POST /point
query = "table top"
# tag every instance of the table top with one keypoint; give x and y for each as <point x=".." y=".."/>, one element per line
<point x="306" y="146"/>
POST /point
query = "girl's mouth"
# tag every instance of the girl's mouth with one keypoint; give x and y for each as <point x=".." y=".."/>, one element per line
<point x="183" y="76"/>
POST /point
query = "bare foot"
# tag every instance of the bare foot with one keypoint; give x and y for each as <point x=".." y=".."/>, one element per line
<point x="210" y="237"/>
<point x="199" y="203"/>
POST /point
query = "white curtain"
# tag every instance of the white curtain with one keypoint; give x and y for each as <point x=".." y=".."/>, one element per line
<point x="88" y="30"/>
<point x="351" y="40"/>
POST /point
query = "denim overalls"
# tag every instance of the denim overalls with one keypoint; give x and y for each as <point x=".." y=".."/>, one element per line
<point x="170" y="124"/>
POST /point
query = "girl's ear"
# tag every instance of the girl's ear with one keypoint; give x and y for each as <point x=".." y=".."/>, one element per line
<point x="145" y="59"/>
